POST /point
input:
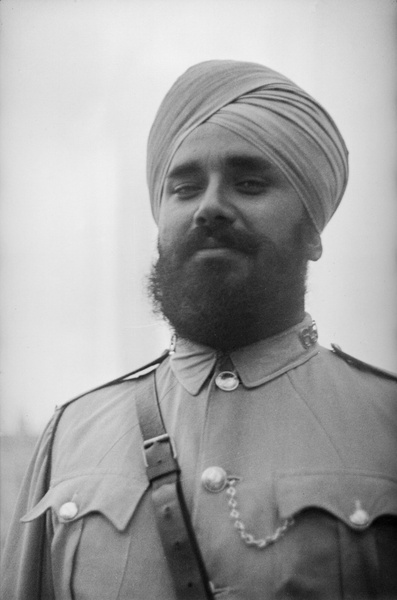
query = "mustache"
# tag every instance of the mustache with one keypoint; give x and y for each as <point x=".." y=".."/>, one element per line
<point x="227" y="237"/>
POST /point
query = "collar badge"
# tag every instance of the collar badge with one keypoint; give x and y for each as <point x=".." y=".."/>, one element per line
<point x="309" y="335"/>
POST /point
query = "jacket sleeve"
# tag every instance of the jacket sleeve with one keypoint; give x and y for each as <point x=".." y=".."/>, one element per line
<point x="26" y="572"/>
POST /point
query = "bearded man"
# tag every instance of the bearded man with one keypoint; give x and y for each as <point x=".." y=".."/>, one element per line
<point x="251" y="463"/>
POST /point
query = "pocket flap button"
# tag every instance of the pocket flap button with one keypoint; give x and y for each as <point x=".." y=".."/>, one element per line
<point x="68" y="511"/>
<point x="214" y="479"/>
<point x="359" y="517"/>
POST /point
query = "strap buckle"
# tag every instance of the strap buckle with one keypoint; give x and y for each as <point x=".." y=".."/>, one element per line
<point x="158" y="439"/>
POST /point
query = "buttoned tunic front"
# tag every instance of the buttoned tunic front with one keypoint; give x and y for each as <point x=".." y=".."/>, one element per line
<point x="305" y="440"/>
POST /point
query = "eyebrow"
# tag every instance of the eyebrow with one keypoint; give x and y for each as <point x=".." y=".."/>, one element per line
<point x="248" y="163"/>
<point x="186" y="168"/>
<point x="239" y="162"/>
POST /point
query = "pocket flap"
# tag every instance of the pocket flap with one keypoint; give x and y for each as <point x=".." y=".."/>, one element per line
<point x="355" y="497"/>
<point x="112" y="495"/>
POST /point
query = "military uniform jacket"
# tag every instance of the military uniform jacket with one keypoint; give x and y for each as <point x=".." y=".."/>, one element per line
<point x="307" y="442"/>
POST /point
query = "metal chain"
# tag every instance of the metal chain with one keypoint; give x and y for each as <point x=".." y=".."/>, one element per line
<point x="248" y="538"/>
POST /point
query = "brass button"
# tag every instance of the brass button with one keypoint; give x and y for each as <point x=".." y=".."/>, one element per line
<point x="68" y="511"/>
<point x="360" y="517"/>
<point x="214" y="479"/>
<point x="227" y="381"/>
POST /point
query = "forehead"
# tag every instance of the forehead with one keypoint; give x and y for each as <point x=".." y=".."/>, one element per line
<point x="211" y="145"/>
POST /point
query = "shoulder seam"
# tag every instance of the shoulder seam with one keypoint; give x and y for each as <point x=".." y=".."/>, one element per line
<point x="136" y="374"/>
<point x="363" y="366"/>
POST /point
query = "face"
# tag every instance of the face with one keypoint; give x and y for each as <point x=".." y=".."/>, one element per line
<point x="232" y="262"/>
<point x="220" y="182"/>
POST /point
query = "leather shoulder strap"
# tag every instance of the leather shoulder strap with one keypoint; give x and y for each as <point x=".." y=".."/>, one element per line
<point x="181" y="549"/>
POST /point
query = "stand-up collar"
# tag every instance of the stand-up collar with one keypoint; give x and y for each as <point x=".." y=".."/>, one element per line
<point x="255" y="364"/>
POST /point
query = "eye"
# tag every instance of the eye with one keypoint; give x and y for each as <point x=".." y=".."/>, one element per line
<point x="185" y="191"/>
<point x="252" y="186"/>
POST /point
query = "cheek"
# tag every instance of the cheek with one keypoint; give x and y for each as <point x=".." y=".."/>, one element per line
<point x="272" y="228"/>
<point x="172" y="224"/>
<point x="279" y="218"/>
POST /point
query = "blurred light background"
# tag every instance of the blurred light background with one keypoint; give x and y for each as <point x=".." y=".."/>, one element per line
<point x="80" y="84"/>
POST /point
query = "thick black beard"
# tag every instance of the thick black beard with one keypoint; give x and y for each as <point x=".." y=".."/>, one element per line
<point x="207" y="305"/>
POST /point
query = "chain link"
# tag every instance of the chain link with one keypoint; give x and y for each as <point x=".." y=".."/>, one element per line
<point x="248" y="538"/>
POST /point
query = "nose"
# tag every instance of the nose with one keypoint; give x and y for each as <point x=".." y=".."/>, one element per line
<point x="215" y="206"/>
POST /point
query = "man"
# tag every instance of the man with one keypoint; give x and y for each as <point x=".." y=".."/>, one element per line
<point x="269" y="471"/>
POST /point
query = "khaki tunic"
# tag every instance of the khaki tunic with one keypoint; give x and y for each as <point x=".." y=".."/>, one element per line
<point x="306" y="436"/>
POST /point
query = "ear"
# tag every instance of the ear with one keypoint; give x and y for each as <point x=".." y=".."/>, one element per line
<point x="311" y="240"/>
<point x="314" y="246"/>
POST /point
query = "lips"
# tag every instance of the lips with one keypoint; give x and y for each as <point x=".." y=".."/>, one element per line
<point x="212" y="243"/>
<point x="211" y="247"/>
<point x="218" y="239"/>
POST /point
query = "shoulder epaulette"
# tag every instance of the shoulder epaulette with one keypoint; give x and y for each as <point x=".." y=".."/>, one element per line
<point x="363" y="366"/>
<point x="133" y="375"/>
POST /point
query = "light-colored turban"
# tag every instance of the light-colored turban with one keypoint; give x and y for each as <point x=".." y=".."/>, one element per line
<point x="266" y="109"/>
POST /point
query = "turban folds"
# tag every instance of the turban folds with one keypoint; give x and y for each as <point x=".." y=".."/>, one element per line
<point x="264" y="108"/>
